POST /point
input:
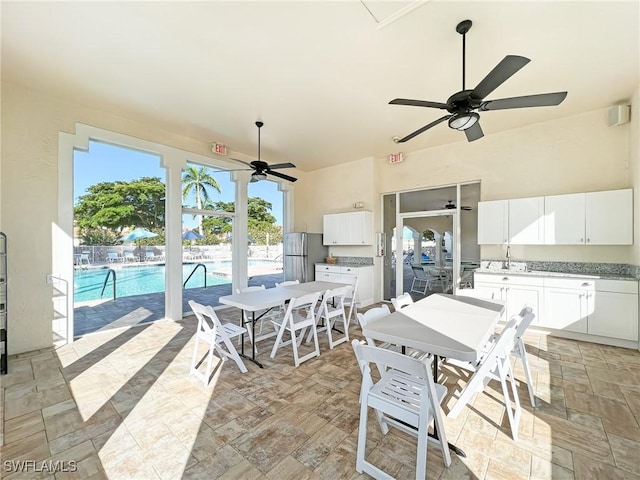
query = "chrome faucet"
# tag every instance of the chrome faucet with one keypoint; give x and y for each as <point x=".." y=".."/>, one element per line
<point x="508" y="257"/>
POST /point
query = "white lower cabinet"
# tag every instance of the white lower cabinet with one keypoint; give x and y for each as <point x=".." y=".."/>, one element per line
<point x="591" y="306"/>
<point x="515" y="290"/>
<point x="342" y="274"/>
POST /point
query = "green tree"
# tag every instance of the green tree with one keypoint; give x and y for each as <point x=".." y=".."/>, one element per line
<point x="118" y="205"/>
<point x="197" y="180"/>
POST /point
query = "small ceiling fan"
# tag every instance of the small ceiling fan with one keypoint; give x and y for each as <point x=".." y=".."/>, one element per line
<point x="263" y="169"/>
<point x="452" y="206"/>
<point x="463" y="106"/>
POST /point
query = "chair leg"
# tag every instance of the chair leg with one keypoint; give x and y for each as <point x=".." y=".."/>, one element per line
<point x="278" y="340"/>
<point x="527" y="373"/>
<point x="362" y="437"/>
<point x="233" y="354"/>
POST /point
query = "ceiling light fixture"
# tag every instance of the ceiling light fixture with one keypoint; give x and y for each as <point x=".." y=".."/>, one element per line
<point x="462" y="121"/>
<point x="257" y="176"/>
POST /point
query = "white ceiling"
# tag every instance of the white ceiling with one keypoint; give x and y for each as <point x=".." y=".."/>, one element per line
<point x="319" y="74"/>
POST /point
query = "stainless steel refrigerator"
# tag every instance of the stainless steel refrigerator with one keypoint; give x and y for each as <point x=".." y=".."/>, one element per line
<point x="301" y="252"/>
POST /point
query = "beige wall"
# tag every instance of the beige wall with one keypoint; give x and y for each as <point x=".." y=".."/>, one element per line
<point x="577" y="154"/>
<point x="28" y="197"/>
<point x="634" y="161"/>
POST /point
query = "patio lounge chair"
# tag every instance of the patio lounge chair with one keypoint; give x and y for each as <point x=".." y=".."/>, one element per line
<point x="130" y="257"/>
<point x="113" y="257"/>
<point x="151" y="255"/>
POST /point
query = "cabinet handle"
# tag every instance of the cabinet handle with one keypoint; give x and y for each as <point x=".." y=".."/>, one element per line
<point x="588" y="240"/>
<point x="586" y="284"/>
<point x="505" y="279"/>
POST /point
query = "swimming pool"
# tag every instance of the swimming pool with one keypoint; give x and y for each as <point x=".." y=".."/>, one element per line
<point x="142" y="279"/>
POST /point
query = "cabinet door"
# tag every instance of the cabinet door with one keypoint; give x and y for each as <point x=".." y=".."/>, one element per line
<point x="492" y="222"/>
<point x="613" y="314"/>
<point x="329" y="230"/>
<point x="609" y="217"/>
<point x="564" y="219"/>
<point x="494" y="291"/>
<point x="526" y="221"/>
<point x="565" y="309"/>
<point x="520" y="295"/>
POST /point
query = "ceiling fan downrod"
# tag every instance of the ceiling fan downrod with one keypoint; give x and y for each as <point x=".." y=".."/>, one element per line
<point x="259" y="125"/>
<point x="462" y="28"/>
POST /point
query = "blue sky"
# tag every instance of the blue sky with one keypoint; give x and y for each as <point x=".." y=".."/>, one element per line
<point x="108" y="163"/>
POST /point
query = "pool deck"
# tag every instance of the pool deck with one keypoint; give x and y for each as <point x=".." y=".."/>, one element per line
<point x="141" y="309"/>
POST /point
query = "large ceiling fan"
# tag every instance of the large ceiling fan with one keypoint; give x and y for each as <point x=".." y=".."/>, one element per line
<point x="464" y="105"/>
<point x="262" y="169"/>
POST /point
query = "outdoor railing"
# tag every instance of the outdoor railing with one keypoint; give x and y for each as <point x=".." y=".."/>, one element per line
<point x="194" y="271"/>
<point x="106" y="279"/>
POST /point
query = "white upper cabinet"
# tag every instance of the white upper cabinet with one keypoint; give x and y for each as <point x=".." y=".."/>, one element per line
<point x="595" y="218"/>
<point x="351" y="228"/>
<point x="564" y="219"/>
<point x="526" y="221"/>
<point x="493" y="222"/>
<point x="609" y="217"/>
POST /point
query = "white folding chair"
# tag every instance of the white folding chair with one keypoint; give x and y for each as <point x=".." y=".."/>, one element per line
<point x="370" y="315"/>
<point x="401" y="301"/>
<point x="299" y="316"/>
<point x="351" y="300"/>
<point x="405" y="397"/>
<point x="494" y="365"/>
<point x="420" y="282"/>
<point x="213" y="334"/>
<point x="260" y="315"/>
<point x="331" y="311"/>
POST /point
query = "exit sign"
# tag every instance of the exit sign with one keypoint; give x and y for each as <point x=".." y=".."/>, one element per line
<point x="219" y="148"/>
<point x="396" y="158"/>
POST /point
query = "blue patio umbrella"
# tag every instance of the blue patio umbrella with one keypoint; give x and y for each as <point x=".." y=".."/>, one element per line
<point x="137" y="234"/>
<point x="191" y="235"/>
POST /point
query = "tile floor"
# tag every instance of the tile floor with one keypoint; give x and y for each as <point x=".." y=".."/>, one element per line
<point x="122" y="405"/>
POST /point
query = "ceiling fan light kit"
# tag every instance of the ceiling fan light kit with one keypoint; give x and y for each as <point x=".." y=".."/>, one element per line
<point x="462" y="121"/>
<point x="462" y="106"/>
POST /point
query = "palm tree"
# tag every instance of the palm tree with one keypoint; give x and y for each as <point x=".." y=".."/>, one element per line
<point x="197" y="180"/>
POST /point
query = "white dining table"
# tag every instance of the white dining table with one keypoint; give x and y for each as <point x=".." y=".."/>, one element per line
<point x="444" y="325"/>
<point x="269" y="298"/>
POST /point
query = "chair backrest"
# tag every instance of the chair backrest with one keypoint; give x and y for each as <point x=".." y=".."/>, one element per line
<point x="525" y="318"/>
<point x="373" y="314"/>
<point x="367" y="354"/>
<point x="336" y="296"/>
<point x="250" y="289"/>
<point x="401" y="301"/>
<point x="112" y="254"/>
<point x="207" y="319"/>
<point x="304" y="302"/>
<point x="287" y="282"/>
<point x="419" y="272"/>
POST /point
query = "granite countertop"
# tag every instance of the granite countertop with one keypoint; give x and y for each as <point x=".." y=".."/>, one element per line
<point x="538" y="273"/>
<point x="559" y="269"/>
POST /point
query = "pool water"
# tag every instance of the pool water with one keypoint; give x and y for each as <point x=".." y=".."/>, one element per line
<point x="138" y="280"/>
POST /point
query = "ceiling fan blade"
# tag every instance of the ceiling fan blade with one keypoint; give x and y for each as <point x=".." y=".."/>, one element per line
<point x="281" y="165"/>
<point x="243" y="162"/>
<point x="474" y="132"/>
<point x="418" y="103"/>
<point x="496" y="77"/>
<point x="542" y="100"/>
<point x="466" y="207"/>
<point x="283" y="176"/>
<point x="423" y="129"/>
